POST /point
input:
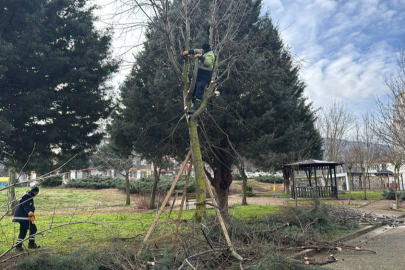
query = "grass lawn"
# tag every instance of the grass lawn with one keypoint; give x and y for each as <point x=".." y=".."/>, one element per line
<point x="359" y="195"/>
<point x="49" y="198"/>
<point x="101" y="217"/>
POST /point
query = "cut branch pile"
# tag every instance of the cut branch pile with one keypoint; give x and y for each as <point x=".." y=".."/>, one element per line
<point x="344" y="215"/>
<point x="373" y="219"/>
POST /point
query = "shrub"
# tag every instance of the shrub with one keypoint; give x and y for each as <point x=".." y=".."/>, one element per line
<point x="95" y="182"/>
<point x="270" y="179"/>
<point x="390" y="194"/>
<point x="53" y="181"/>
<point x="237" y="177"/>
<point x="144" y="185"/>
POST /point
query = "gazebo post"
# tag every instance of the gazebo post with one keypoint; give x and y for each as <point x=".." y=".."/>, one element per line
<point x="316" y="182"/>
<point x="293" y="183"/>
<point x="310" y="173"/>
<point x="331" y="180"/>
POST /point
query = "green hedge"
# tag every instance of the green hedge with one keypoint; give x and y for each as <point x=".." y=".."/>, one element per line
<point x="270" y="179"/>
<point x="95" y="182"/>
<point x="390" y="194"/>
<point x="54" y="181"/>
<point x="144" y="185"/>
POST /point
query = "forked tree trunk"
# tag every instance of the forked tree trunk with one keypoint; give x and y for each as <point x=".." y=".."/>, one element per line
<point x="222" y="179"/>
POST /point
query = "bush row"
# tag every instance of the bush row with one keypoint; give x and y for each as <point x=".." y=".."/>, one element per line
<point x="53" y="181"/>
<point x="144" y="185"/>
<point x="94" y="182"/>
<point x="270" y="179"/>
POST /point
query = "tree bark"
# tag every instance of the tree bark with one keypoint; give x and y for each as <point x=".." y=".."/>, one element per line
<point x="350" y="184"/>
<point x="198" y="169"/>
<point x="244" y="185"/>
<point x="154" y="187"/>
<point x="128" y="191"/>
<point x="286" y="176"/>
<point x="12" y="202"/>
<point x="222" y="178"/>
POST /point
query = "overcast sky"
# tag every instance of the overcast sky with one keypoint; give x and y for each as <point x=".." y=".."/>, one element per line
<point x="346" y="47"/>
<point x="349" y="46"/>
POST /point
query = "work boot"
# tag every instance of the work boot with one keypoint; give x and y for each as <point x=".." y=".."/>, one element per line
<point x="19" y="247"/>
<point x="195" y="107"/>
<point x="32" y="244"/>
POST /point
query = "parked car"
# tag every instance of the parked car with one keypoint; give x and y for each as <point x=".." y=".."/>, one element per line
<point x="250" y="174"/>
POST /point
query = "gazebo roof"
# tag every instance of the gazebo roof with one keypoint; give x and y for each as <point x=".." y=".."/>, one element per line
<point x="313" y="163"/>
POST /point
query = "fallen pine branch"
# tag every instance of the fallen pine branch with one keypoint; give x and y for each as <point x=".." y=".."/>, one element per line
<point x="330" y="259"/>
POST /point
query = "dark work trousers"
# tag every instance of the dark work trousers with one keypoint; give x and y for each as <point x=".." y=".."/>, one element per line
<point x="199" y="90"/>
<point x="24" y="227"/>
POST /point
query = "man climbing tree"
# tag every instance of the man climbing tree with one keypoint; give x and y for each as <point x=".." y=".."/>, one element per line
<point x="205" y="65"/>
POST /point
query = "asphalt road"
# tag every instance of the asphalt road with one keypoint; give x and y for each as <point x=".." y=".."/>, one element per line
<point x="388" y="242"/>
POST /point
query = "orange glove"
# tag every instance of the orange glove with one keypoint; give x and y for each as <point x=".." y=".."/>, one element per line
<point x="196" y="56"/>
<point x="31" y="216"/>
<point x="185" y="53"/>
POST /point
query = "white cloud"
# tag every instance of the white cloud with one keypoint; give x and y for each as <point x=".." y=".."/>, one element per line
<point x="349" y="46"/>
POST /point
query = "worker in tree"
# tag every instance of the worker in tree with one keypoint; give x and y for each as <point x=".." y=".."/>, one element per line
<point x="24" y="214"/>
<point x="205" y="65"/>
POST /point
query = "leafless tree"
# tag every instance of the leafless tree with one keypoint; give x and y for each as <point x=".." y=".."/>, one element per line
<point x="334" y="125"/>
<point x="108" y="158"/>
<point x="369" y="140"/>
<point x="350" y="157"/>
<point x="396" y="158"/>
<point x="390" y="112"/>
<point x="389" y="116"/>
<point x="167" y="22"/>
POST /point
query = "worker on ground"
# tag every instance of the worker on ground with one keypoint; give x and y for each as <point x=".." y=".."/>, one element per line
<point x="275" y="189"/>
<point x="24" y="214"/>
<point x="205" y="65"/>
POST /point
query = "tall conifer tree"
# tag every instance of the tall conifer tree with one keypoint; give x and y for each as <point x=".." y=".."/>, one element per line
<point x="53" y="69"/>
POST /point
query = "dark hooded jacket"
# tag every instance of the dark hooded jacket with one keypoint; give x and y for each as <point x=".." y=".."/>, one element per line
<point x="25" y="205"/>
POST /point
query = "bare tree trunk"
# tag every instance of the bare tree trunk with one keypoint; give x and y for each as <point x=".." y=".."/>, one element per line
<point x="396" y="180"/>
<point x="222" y="179"/>
<point x="12" y="202"/>
<point x="286" y="176"/>
<point x="127" y="189"/>
<point x="364" y="185"/>
<point x="350" y="184"/>
<point x="154" y="187"/>
<point x="198" y="169"/>
<point x="244" y="184"/>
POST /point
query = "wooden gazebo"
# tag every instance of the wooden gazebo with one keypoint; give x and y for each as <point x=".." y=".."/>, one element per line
<point x="310" y="168"/>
